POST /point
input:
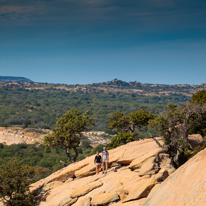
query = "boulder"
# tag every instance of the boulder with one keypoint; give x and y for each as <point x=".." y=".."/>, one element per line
<point x="104" y="198"/>
<point x="195" y="140"/>
<point x="67" y="201"/>
<point x="68" y="180"/>
<point x="150" y="167"/>
<point x="186" y="186"/>
<point x="81" y="191"/>
<point x="85" y="202"/>
<point x="155" y="161"/>
<point x="122" y="193"/>
<point x="134" y="150"/>
<point x="141" y="159"/>
<point x="165" y="162"/>
<point x="161" y="175"/>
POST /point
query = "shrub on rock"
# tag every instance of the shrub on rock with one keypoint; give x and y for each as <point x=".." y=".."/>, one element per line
<point x="14" y="184"/>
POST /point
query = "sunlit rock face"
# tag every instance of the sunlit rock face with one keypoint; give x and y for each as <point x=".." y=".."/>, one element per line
<point x="78" y="183"/>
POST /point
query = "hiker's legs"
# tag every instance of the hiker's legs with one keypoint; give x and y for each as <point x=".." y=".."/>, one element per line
<point x="103" y="167"/>
<point x="97" y="169"/>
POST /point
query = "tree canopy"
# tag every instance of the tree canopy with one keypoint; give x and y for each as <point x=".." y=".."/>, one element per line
<point x="199" y="97"/>
<point x="14" y="184"/>
<point x="200" y="127"/>
<point x="126" y="123"/>
<point x="68" y="132"/>
<point x="175" y="124"/>
<point x="121" y="139"/>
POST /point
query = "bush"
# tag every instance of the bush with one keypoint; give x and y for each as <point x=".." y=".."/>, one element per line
<point x="98" y="148"/>
<point x="199" y="148"/>
<point x="4" y="125"/>
<point x="121" y="139"/>
<point x="86" y="144"/>
<point x="14" y="184"/>
<point x="26" y="123"/>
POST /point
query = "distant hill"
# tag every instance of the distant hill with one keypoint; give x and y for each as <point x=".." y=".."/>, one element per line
<point x="42" y="103"/>
<point x="14" y="79"/>
<point x="116" y="87"/>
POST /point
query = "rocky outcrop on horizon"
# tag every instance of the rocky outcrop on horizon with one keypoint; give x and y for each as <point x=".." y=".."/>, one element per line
<point x="115" y="86"/>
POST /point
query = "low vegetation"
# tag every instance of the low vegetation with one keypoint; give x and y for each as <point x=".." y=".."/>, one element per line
<point x="176" y="123"/>
<point x="44" y="162"/>
<point x="32" y="108"/>
<point x="15" y="179"/>
<point x="127" y="125"/>
<point x="42" y="103"/>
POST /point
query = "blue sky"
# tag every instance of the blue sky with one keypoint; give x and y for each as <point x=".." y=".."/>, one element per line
<point x="87" y="41"/>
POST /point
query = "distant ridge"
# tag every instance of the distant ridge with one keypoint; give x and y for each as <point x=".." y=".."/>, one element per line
<point x="115" y="87"/>
<point x="14" y="79"/>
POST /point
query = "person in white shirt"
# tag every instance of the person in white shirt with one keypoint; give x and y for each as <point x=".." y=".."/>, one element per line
<point x="105" y="160"/>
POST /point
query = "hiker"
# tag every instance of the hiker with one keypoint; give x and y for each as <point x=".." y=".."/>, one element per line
<point x="105" y="159"/>
<point x="98" y="162"/>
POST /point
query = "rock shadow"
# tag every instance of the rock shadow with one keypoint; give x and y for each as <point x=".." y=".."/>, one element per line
<point x="41" y="198"/>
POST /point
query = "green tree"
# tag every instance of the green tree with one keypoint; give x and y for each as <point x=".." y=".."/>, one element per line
<point x="98" y="148"/>
<point x="174" y="125"/>
<point x="119" y="121"/>
<point x="199" y="97"/>
<point x="200" y="127"/>
<point x="122" y="123"/>
<point x="68" y="132"/>
<point x="26" y="123"/>
<point x="4" y="125"/>
<point x="14" y="184"/>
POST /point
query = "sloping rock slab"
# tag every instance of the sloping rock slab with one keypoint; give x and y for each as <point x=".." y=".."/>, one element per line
<point x="85" y="202"/>
<point x="81" y="191"/>
<point x="140" y="189"/>
<point x="136" y="149"/>
<point x="67" y="201"/>
<point x="52" y="185"/>
<point x="139" y="202"/>
<point x="86" y="171"/>
<point x="139" y="161"/>
<point x="185" y="187"/>
<point x="63" y="174"/>
<point x="54" y="196"/>
<point x="104" y="198"/>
